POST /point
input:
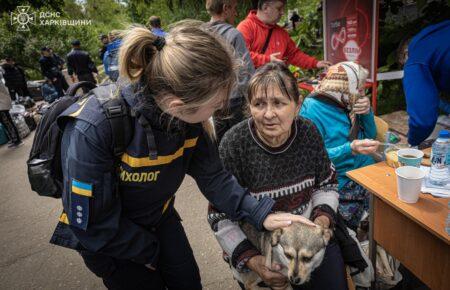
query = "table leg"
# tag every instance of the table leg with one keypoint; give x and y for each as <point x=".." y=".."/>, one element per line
<point x="372" y="242"/>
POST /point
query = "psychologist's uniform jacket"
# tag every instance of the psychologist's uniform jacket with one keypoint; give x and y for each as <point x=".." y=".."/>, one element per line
<point x="114" y="213"/>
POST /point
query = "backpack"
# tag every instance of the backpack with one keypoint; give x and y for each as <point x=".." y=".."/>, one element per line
<point x="44" y="163"/>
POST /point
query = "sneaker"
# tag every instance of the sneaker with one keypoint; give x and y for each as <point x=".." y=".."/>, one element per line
<point x="15" y="145"/>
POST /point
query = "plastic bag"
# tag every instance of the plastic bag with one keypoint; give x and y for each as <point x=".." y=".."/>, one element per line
<point x="21" y="125"/>
<point x="17" y="109"/>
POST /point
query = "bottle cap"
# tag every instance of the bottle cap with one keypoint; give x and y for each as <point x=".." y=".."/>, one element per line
<point x="444" y="134"/>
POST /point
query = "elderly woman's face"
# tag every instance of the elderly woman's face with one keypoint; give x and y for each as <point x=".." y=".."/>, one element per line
<point x="273" y="114"/>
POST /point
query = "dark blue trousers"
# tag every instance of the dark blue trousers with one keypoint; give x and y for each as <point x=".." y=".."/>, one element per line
<point x="176" y="270"/>
<point x="330" y="275"/>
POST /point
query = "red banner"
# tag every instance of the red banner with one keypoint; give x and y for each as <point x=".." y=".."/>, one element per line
<point x="349" y="27"/>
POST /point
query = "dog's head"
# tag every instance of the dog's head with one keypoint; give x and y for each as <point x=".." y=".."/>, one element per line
<point x="301" y="248"/>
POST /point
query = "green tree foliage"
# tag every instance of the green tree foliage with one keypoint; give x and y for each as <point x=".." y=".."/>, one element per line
<point x="398" y="23"/>
<point x="10" y="5"/>
<point x="308" y="34"/>
<point x="171" y="11"/>
<point x="25" y="46"/>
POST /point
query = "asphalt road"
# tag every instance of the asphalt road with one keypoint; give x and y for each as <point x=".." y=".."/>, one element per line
<point x="28" y="261"/>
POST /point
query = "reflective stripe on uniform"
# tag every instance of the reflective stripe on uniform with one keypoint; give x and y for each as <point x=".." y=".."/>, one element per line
<point x="145" y="161"/>
<point x="166" y="205"/>
<point x="77" y="112"/>
<point x="63" y="218"/>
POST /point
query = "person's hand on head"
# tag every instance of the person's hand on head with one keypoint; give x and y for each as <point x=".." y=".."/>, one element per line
<point x="270" y="276"/>
<point x="323" y="64"/>
<point x="281" y="220"/>
<point x="362" y="106"/>
<point x="275" y="57"/>
<point x="364" y="147"/>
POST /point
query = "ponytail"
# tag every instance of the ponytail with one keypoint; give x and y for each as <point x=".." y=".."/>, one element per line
<point x="136" y="53"/>
<point x="189" y="63"/>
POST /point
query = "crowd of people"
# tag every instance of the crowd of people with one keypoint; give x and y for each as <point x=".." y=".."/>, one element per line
<point x="267" y="150"/>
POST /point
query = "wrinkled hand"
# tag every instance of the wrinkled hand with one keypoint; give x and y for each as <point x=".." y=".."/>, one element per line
<point x="270" y="276"/>
<point x="281" y="220"/>
<point x="274" y="57"/>
<point x="362" y="106"/>
<point x="365" y="146"/>
<point x="323" y="64"/>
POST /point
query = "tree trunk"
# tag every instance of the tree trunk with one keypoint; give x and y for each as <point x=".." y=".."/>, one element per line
<point x="170" y="5"/>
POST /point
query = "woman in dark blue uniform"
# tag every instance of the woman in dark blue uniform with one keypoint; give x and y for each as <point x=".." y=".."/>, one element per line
<point x="124" y="223"/>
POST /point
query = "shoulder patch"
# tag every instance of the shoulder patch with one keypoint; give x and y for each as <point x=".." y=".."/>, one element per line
<point x="79" y="204"/>
<point x="81" y="188"/>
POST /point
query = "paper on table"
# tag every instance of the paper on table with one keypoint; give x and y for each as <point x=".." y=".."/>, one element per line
<point x="434" y="190"/>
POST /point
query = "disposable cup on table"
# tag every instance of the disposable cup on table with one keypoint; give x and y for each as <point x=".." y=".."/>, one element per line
<point x="410" y="157"/>
<point x="409" y="183"/>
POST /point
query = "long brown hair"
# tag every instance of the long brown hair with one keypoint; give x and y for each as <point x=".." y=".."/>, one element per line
<point x="193" y="64"/>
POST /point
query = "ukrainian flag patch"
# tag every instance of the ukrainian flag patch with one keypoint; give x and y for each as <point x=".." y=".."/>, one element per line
<point x="81" y="188"/>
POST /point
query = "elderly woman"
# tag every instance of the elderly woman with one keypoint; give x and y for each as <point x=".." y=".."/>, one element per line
<point x="343" y="116"/>
<point x="278" y="154"/>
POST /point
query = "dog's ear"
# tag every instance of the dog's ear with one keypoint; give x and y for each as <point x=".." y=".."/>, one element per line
<point x="275" y="237"/>
<point x="326" y="235"/>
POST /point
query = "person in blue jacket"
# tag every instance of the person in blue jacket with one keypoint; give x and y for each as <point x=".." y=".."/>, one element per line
<point x="426" y="80"/>
<point x="111" y="56"/>
<point x="346" y="122"/>
<point x="49" y="91"/>
<point x="122" y="218"/>
<point x="154" y="24"/>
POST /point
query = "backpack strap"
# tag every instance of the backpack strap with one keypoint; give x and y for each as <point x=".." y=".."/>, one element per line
<point x="118" y="115"/>
<point x="152" y="151"/>
<point x="266" y="44"/>
<point x="71" y="91"/>
<point x="117" y="112"/>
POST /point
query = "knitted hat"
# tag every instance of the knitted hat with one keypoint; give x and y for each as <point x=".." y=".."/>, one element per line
<point x="345" y="78"/>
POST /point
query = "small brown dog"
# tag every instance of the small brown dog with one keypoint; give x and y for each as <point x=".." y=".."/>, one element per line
<point x="299" y="249"/>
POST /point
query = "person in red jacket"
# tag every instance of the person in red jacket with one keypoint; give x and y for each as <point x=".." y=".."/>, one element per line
<point x="261" y="23"/>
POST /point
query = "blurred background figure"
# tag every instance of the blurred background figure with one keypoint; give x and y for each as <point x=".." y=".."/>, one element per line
<point x="111" y="56"/>
<point x="50" y="69"/>
<point x="15" y="79"/>
<point x="154" y="24"/>
<point x="293" y="20"/>
<point x="59" y="60"/>
<point x="5" y="117"/>
<point x="49" y="91"/>
<point x="223" y="14"/>
<point x="104" y="40"/>
<point x="80" y="63"/>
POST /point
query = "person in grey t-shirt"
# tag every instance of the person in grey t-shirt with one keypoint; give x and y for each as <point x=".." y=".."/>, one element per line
<point x="223" y="14"/>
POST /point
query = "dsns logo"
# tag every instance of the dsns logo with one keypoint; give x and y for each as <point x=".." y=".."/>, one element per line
<point x="23" y="18"/>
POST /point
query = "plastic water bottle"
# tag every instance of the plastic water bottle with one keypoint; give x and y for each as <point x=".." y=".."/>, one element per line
<point x="439" y="172"/>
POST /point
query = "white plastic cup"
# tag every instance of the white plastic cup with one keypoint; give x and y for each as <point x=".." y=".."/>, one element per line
<point x="409" y="183"/>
